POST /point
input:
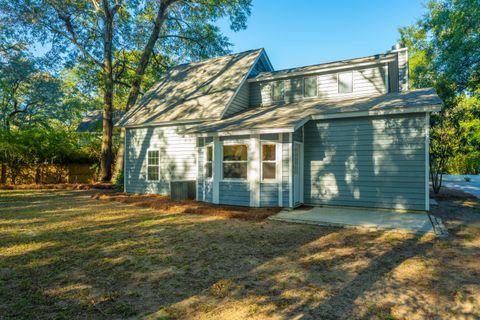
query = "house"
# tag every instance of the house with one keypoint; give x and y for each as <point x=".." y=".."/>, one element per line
<point x="92" y="122"/>
<point x="346" y="133"/>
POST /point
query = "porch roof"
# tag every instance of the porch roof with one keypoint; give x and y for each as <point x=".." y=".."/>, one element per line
<point x="289" y="117"/>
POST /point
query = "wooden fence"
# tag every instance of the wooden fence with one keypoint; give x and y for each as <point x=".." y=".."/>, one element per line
<point x="50" y="173"/>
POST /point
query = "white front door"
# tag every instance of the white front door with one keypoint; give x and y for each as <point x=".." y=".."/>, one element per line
<point x="297" y="173"/>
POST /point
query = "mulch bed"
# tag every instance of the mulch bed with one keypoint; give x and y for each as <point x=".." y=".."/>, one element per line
<point x="65" y="186"/>
<point x="451" y="194"/>
<point x="167" y="205"/>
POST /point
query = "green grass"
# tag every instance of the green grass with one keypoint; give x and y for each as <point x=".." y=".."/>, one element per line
<point x="64" y="255"/>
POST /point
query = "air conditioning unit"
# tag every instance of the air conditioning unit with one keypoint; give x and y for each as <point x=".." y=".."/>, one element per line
<point x="182" y="190"/>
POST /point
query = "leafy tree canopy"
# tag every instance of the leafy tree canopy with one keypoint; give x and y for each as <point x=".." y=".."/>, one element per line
<point x="444" y="48"/>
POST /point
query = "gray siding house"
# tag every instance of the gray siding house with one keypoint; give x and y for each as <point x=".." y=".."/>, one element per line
<point x="346" y="133"/>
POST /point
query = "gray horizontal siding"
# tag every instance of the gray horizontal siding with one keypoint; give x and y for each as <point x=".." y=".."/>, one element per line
<point x="403" y="70"/>
<point x="369" y="162"/>
<point x="269" y="195"/>
<point x="177" y="158"/>
<point x="240" y="102"/>
<point x="235" y="193"/>
<point x="269" y="137"/>
<point x="298" y="135"/>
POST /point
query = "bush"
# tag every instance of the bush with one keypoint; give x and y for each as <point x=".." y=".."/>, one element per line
<point x="37" y="147"/>
<point x="119" y="181"/>
<point x="464" y="164"/>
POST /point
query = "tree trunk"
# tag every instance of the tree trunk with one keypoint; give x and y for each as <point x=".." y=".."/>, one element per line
<point x="147" y="52"/>
<point x="106" y="155"/>
<point x="139" y="73"/>
<point x="3" y="178"/>
<point x="119" y="161"/>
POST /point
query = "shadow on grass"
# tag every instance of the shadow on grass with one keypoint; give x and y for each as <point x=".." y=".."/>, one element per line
<point x="111" y="260"/>
<point x="66" y="255"/>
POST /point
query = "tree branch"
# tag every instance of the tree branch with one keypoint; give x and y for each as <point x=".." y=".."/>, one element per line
<point x="73" y="36"/>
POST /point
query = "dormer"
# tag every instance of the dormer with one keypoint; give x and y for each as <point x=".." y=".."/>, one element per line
<point x="346" y="79"/>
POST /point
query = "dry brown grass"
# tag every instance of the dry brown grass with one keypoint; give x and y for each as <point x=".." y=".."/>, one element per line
<point x="57" y="186"/>
<point x="64" y="255"/>
<point x="451" y="194"/>
<point x="167" y="205"/>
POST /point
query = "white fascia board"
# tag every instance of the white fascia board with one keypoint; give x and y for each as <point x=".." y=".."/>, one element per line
<point x="166" y="123"/>
<point x="392" y="111"/>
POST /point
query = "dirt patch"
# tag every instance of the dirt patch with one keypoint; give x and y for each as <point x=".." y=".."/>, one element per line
<point x="451" y="194"/>
<point x="167" y="205"/>
<point x="65" y="255"/>
<point x="58" y="186"/>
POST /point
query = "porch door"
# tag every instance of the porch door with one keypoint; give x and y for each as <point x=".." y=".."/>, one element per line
<point x="297" y="173"/>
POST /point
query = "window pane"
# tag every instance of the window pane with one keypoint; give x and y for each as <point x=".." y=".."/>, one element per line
<point x="152" y="157"/>
<point x="268" y="152"/>
<point x="235" y="153"/>
<point x="208" y="170"/>
<point x="209" y="153"/>
<point x="310" y="87"/>
<point x="297" y="87"/>
<point x="345" y="82"/>
<point x="268" y="170"/>
<point x="235" y="170"/>
<point x="277" y="91"/>
<point x="152" y="173"/>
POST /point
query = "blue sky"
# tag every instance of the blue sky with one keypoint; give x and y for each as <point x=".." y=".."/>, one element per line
<point x="305" y="32"/>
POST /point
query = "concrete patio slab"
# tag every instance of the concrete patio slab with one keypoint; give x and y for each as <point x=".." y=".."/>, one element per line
<point x="410" y="222"/>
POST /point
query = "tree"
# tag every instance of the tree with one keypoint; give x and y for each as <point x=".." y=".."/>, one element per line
<point x="98" y="30"/>
<point x="443" y="145"/>
<point x="444" y="50"/>
<point x="28" y="95"/>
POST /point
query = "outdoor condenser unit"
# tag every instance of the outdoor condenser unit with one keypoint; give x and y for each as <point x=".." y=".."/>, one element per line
<point x="182" y="190"/>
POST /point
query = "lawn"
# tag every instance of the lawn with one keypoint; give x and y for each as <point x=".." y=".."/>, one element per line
<point x="65" y="255"/>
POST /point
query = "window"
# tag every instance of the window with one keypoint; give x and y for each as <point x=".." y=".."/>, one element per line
<point x="208" y="162"/>
<point x="345" y="82"/>
<point x="235" y="161"/>
<point x="310" y="87"/>
<point x="269" y="161"/>
<point x="277" y="91"/>
<point x="153" y="165"/>
<point x="297" y="88"/>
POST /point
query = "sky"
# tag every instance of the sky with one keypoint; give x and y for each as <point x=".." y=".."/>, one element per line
<point x="305" y="32"/>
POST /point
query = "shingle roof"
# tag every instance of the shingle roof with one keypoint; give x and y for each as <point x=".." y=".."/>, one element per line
<point x="193" y="91"/>
<point x="92" y="122"/>
<point x="288" y="116"/>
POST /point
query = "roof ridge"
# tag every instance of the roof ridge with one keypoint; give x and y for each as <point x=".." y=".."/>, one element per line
<point x="216" y="57"/>
<point x="325" y="64"/>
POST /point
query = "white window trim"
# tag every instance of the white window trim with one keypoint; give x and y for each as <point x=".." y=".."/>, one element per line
<point x="269" y="161"/>
<point x="233" y="143"/>
<point x="205" y="153"/>
<point x="148" y="165"/>
<point x="338" y="83"/>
